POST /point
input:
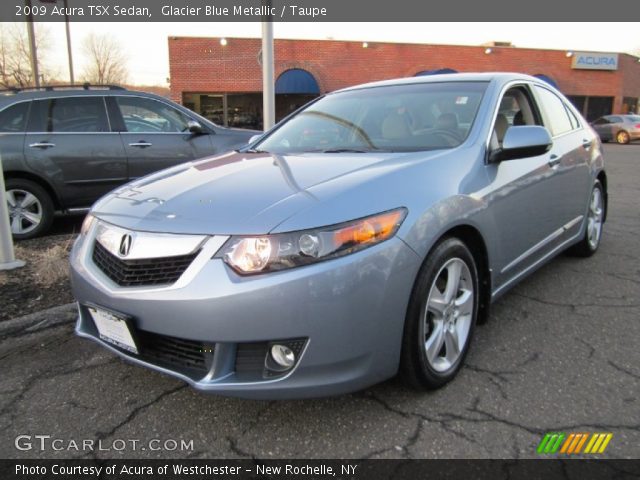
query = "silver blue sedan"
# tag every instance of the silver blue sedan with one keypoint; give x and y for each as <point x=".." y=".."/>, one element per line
<point x="366" y="234"/>
<point x="618" y="128"/>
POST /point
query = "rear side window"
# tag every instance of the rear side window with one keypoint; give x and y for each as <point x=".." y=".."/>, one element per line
<point x="557" y="115"/>
<point x="69" y="115"/>
<point x="14" y="118"/>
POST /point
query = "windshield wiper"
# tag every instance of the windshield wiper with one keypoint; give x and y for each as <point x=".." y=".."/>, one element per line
<point x="348" y="150"/>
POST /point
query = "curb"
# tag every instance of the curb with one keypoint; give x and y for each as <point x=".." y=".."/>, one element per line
<point x="39" y="320"/>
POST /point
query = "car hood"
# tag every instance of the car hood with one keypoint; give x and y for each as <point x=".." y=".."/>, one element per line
<point x="238" y="193"/>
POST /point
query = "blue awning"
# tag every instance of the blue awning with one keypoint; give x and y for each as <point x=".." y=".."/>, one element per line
<point x="437" y="71"/>
<point x="547" y="79"/>
<point x="297" y="81"/>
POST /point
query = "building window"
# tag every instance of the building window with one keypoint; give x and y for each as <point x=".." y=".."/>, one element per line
<point x="592" y="107"/>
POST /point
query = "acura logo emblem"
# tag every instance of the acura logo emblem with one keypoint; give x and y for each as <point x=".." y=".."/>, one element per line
<point x="125" y="245"/>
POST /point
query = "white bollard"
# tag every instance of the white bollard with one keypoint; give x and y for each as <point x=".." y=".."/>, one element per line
<point x="7" y="258"/>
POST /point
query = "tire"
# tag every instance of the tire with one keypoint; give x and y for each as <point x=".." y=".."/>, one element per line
<point x="30" y="208"/>
<point x="595" y="222"/>
<point x="437" y="316"/>
<point x="622" y="137"/>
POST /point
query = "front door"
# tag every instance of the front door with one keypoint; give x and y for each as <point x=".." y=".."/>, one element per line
<point x="155" y="135"/>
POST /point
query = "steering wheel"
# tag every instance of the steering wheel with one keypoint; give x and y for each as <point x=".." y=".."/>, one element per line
<point x="450" y="136"/>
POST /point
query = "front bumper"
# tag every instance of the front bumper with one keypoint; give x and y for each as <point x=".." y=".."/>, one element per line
<point x="348" y="314"/>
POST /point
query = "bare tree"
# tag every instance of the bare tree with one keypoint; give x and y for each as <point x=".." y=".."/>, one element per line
<point x="15" y="64"/>
<point x="106" y="59"/>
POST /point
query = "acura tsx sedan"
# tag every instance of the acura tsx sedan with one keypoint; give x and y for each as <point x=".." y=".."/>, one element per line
<point x="364" y="235"/>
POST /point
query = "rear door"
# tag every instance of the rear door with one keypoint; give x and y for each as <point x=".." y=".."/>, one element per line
<point x="572" y="144"/>
<point x="69" y="140"/>
<point x="156" y="135"/>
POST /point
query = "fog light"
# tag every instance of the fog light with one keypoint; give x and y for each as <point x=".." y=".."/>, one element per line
<point x="283" y="356"/>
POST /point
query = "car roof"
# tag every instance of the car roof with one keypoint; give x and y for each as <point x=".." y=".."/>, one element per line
<point x="498" y="77"/>
<point x="8" y="97"/>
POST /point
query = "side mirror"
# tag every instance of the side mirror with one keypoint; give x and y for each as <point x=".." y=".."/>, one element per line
<point x="521" y="142"/>
<point x="195" y="127"/>
<point x="254" y="139"/>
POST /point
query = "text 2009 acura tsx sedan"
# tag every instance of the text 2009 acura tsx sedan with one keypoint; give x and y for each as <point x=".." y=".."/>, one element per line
<point x="365" y="234"/>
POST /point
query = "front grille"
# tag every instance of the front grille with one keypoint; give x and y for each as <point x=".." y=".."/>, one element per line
<point x="190" y="357"/>
<point x="141" y="272"/>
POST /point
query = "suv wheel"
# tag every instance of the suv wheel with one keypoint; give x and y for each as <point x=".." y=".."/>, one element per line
<point x="30" y="208"/>
<point x="442" y="315"/>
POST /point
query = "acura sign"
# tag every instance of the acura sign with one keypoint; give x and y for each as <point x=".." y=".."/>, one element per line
<point x="595" y="61"/>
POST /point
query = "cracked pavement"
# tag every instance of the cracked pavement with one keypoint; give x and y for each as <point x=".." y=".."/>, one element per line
<point x="559" y="353"/>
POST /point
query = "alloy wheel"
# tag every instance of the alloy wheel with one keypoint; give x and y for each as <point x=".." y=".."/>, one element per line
<point x="594" y="218"/>
<point x="622" y="137"/>
<point x="448" y="315"/>
<point x="25" y="211"/>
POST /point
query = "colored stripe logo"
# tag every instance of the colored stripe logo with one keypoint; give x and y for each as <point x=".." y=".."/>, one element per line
<point x="574" y="443"/>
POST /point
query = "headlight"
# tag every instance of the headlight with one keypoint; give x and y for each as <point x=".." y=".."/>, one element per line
<point x="86" y="224"/>
<point x="269" y="253"/>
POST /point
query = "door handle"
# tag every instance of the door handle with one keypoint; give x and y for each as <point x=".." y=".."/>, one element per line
<point x="141" y="144"/>
<point x="554" y="160"/>
<point x="42" y="145"/>
<point x="586" y="144"/>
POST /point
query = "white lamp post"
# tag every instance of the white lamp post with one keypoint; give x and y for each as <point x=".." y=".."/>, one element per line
<point x="268" y="87"/>
<point x="7" y="259"/>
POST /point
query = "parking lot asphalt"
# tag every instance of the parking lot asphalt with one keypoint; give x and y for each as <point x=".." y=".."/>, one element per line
<point x="560" y="353"/>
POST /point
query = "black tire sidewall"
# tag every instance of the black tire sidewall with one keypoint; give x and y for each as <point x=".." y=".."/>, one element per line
<point x="415" y="366"/>
<point x="43" y="197"/>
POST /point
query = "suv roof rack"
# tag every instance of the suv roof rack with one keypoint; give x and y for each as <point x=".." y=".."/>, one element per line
<point x="49" y="88"/>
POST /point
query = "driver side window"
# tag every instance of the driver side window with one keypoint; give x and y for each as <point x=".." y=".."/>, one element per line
<point x="516" y="109"/>
<point x="145" y="115"/>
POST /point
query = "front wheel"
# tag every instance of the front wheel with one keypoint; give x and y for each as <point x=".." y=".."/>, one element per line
<point x="441" y="317"/>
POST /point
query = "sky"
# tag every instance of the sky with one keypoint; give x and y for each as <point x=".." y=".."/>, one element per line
<point x="147" y="51"/>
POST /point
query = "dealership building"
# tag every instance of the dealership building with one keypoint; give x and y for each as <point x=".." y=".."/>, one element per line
<point x="221" y="78"/>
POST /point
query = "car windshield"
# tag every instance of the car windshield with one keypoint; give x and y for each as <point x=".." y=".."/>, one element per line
<point x="399" y="118"/>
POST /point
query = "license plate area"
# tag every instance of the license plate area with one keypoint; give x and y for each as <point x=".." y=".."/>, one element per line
<point x="114" y="328"/>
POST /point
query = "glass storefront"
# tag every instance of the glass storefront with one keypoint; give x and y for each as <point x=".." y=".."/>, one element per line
<point x="241" y="110"/>
<point x="592" y="107"/>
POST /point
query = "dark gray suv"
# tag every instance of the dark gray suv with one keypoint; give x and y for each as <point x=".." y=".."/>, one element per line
<point x="64" y="147"/>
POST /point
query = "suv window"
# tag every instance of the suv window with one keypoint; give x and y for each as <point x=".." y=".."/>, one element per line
<point x="148" y="115"/>
<point x="69" y="115"/>
<point x="558" y="117"/>
<point x="14" y="118"/>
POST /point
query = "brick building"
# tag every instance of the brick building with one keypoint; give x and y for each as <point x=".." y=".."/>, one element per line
<point x="222" y="78"/>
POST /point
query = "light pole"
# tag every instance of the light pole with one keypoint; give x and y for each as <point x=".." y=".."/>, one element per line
<point x="33" y="53"/>
<point x="268" y="88"/>
<point x="7" y="259"/>
<point x="69" y="54"/>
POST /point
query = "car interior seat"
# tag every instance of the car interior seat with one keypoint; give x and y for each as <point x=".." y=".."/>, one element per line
<point x="395" y="126"/>
<point x="501" y="126"/>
